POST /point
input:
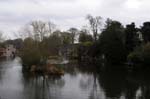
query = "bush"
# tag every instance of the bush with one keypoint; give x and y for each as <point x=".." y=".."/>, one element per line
<point x="140" y="55"/>
<point x="31" y="53"/>
<point x="134" y="57"/>
<point x="146" y="53"/>
<point x="31" y="57"/>
<point x="87" y="44"/>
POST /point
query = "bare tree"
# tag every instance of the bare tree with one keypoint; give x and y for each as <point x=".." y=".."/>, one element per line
<point x="42" y="29"/>
<point x="51" y="28"/>
<point x="24" y="32"/>
<point x="95" y="24"/>
<point x="37" y="30"/>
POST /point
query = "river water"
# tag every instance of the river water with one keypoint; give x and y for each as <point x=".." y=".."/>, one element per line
<point x="77" y="83"/>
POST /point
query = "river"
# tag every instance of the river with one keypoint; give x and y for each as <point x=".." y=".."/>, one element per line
<point x="77" y="83"/>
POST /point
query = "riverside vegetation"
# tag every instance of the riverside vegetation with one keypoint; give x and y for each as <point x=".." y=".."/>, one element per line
<point x="108" y="43"/>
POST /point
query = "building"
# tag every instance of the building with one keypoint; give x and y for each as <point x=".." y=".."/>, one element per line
<point x="8" y="51"/>
<point x="2" y="52"/>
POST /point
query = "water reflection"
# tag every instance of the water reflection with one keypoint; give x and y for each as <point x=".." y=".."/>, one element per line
<point x="10" y="81"/>
<point x="113" y="82"/>
<point x="119" y="83"/>
<point x="79" y="82"/>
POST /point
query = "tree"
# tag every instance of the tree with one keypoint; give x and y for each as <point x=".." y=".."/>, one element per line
<point x="84" y="37"/>
<point x="95" y="24"/>
<point x="30" y="53"/>
<point x="18" y="43"/>
<point x="140" y="55"/>
<point x="74" y="33"/>
<point x="111" y="42"/>
<point x="51" y="44"/>
<point x="131" y="37"/>
<point x="51" y="27"/>
<point x="37" y="30"/>
<point x="145" y="29"/>
<point x="84" y="51"/>
<point x="38" y="40"/>
<point x="66" y="38"/>
<point x="1" y="37"/>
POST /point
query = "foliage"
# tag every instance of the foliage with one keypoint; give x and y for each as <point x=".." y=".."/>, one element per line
<point x="66" y="38"/>
<point x="111" y="42"/>
<point x="30" y="53"/>
<point x="140" y="55"/>
<point x="145" y="29"/>
<point x="84" y="37"/>
<point x="37" y="52"/>
<point x="146" y="53"/>
<point x="84" y="51"/>
<point x="52" y="44"/>
<point x="136" y="55"/>
<point x="1" y="37"/>
<point x="74" y="33"/>
<point x="131" y="37"/>
<point x="18" y="43"/>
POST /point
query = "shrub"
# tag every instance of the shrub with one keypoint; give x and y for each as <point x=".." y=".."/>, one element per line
<point x="31" y="57"/>
<point x="140" y="55"/>
<point x="30" y="53"/>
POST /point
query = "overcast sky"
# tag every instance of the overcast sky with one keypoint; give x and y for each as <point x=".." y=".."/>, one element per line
<point x="69" y="13"/>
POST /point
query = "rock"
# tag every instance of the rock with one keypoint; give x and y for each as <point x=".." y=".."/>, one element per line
<point x="51" y="69"/>
<point x="48" y="69"/>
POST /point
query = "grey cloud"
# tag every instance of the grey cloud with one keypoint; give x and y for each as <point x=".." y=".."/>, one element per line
<point x="67" y="13"/>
